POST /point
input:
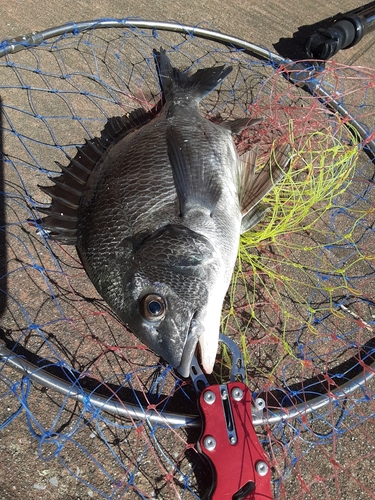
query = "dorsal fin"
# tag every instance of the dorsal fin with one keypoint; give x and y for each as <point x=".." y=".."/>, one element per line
<point x="68" y="188"/>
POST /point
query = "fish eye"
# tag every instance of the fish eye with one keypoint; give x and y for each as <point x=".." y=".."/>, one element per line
<point x="152" y="307"/>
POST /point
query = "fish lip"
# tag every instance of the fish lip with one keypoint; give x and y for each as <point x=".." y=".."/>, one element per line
<point x="190" y="347"/>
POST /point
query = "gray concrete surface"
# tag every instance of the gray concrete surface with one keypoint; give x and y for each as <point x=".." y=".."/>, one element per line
<point x="264" y="23"/>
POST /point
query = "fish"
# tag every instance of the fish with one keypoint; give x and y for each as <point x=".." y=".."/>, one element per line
<point x="156" y="206"/>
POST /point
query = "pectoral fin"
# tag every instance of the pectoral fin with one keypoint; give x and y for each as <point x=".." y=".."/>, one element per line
<point x="196" y="185"/>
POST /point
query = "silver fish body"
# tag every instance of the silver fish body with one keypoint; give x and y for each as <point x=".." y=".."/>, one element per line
<point x="158" y="218"/>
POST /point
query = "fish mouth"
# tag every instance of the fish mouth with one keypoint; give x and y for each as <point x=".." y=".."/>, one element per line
<point x="190" y="347"/>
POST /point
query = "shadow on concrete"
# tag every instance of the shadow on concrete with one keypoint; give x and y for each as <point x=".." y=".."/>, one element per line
<point x="294" y="47"/>
<point x="3" y="252"/>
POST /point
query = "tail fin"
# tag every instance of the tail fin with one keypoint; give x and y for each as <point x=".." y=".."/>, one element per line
<point x="201" y="83"/>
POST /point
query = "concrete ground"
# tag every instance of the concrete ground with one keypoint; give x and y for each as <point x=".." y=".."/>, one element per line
<point x="264" y="23"/>
<point x="267" y="23"/>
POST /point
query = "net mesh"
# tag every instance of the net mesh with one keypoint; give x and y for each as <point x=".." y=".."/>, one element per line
<point x="301" y="302"/>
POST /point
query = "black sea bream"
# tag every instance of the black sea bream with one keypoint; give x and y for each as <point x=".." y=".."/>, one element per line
<point x="156" y="207"/>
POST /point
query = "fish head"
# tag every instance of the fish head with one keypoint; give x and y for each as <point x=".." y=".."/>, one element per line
<point x="167" y="295"/>
<point x="164" y="320"/>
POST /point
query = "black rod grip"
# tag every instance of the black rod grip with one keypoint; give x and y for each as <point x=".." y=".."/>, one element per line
<point x="347" y="30"/>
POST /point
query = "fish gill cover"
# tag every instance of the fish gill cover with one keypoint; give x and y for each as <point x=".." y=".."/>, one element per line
<point x="300" y="305"/>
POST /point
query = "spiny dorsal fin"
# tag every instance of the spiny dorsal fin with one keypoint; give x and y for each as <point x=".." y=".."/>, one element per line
<point x="254" y="187"/>
<point x="118" y="127"/>
<point x="68" y="188"/>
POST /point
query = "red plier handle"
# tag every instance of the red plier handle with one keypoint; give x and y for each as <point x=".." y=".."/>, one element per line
<point x="228" y="439"/>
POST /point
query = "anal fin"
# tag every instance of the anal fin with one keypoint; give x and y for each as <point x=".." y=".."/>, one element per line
<point x="254" y="216"/>
<point x="239" y="124"/>
<point x="255" y="186"/>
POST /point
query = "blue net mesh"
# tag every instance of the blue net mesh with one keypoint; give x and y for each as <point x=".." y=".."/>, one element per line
<point x="301" y="304"/>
